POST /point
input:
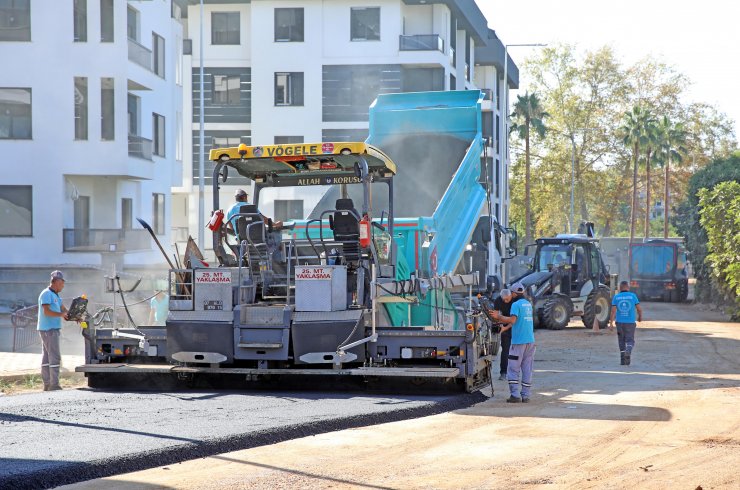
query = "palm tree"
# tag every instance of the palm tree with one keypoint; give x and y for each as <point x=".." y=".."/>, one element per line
<point x="670" y="149"/>
<point x="634" y="136"/>
<point x="528" y="113"/>
<point x="652" y="138"/>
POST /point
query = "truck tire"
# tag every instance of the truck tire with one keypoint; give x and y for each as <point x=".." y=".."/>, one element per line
<point x="556" y="313"/>
<point x="683" y="291"/>
<point x="597" y="307"/>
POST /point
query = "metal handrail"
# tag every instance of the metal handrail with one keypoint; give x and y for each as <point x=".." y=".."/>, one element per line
<point x="421" y="42"/>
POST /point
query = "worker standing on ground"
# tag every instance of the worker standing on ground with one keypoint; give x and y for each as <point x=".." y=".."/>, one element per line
<point x="503" y="304"/>
<point x="624" y="305"/>
<point x="51" y="312"/>
<point x="159" y="307"/>
<point x="521" y="352"/>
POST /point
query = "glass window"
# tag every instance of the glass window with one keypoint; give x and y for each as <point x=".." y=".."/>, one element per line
<point x="286" y="210"/>
<point x="226" y="142"/>
<point x="107" y="110"/>
<point x="225" y="28"/>
<point x="365" y="23"/>
<point x="289" y="25"/>
<point x="158" y="213"/>
<point x="15" y="113"/>
<point x="226" y="89"/>
<point x="553" y="255"/>
<point x="289" y="89"/>
<point x="80" y="108"/>
<point x="158" y="54"/>
<point x="134" y="120"/>
<point x="16" y="210"/>
<point x="132" y="23"/>
<point x="127" y="213"/>
<point x="15" y="20"/>
<point x="158" y="141"/>
<point x="178" y="136"/>
<point x="178" y="60"/>
<point x="80" y="21"/>
<point x="106" y="21"/>
<point x="288" y="140"/>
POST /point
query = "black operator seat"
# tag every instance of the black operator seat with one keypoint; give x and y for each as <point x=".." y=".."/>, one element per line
<point x="248" y="214"/>
<point x="346" y="228"/>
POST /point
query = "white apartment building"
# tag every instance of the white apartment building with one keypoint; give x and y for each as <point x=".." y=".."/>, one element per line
<point x="291" y="71"/>
<point x="90" y="134"/>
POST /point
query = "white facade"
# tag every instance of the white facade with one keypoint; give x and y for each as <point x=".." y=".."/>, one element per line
<point x="428" y="40"/>
<point x="83" y="191"/>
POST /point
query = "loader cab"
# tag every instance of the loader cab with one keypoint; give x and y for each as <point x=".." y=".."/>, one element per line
<point x="575" y="257"/>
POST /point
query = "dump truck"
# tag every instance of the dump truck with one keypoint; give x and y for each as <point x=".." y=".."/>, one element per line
<point x="371" y="287"/>
<point x="658" y="270"/>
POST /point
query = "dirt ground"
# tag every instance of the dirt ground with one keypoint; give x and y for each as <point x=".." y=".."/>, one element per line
<point x="670" y="420"/>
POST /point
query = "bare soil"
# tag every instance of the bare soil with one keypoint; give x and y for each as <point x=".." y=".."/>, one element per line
<point x="670" y="420"/>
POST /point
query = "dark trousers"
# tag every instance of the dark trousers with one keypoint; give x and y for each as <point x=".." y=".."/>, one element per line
<point x="505" y="346"/>
<point x="626" y="336"/>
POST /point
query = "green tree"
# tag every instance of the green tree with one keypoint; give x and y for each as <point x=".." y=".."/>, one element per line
<point x="720" y="218"/>
<point x="635" y="136"/>
<point x="671" y="148"/>
<point x="652" y="137"/>
<point x="528" y="114"/>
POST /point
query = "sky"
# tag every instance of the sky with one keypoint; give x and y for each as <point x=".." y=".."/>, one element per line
<point x="701" y="39"/>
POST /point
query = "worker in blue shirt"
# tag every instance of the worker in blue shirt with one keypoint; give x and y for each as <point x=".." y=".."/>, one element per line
<point x="232" y="214"/>
<point x="49" y="325"/>
<point x="159" y="308"/>
<point x="522" y="350"/>
<point x="624" y="305"/>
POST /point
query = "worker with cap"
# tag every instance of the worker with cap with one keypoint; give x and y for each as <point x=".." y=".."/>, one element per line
<point x="521" y="352"/>
<point x="51" y="313"/>
<point x="233" y="213"/>
<point x="624" y="305"/>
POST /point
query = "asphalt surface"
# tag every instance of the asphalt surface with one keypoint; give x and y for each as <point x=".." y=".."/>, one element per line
<point x="55" y="438"/>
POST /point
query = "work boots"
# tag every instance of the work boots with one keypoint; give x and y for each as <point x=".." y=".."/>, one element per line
<point x="623" y="358"/>
<point x="627" y="358"/>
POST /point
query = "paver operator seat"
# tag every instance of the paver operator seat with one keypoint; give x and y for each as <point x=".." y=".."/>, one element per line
<point x="345" y="223"/>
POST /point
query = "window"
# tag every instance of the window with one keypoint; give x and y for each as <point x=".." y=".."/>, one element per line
<point x="158" y="213"/>
<point x="15" y="20"/>
<point x="226" y="89"/>
<point x="225" y="28"/>
<point x="288" y="140"/>
<point x="80" y="21"/>
<point x="106" y="21"/>
<point x="453" y="82"/>
<point x="107" y="110"/>
<point x="80" y="108"/>
<point x="178" y="59"/>
<point x="15" y="113"/>
<point x="289" y="25"/>
<point x="127" y="213"/>
<point x="158" y="135"/>
<point x="132" y="23"/>
<point x="178" y="136"/>
<point x="289" y="89"/>
<point x="16" y="210"/>
<point x="158" y="54"/>
<point x="365" y="24"/>
<point x="286" y="210"/>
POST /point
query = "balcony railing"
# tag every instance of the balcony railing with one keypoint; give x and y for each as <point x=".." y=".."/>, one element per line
<point x="487" y="94"/>
<point x="104" y="240"/>
<point x="139" y="54"/>
<point x="422" y="42"/>
<point x="139" y="147"/>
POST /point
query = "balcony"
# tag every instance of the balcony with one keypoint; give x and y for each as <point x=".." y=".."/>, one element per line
<point x="139" y="147"/>
<point x="139" y="54"/>
<point x="105" y="240"/>
<point x="422" y="42"/>
<point x="487" y="104"/>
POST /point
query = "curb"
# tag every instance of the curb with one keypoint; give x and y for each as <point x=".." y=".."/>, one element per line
<point x="15" y="376"/>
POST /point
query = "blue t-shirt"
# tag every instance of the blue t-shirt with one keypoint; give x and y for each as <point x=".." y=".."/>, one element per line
<point x="625" y="303"/>
<point x="161" y="308"/>
<point x="233" y="211"/>
<point x="522" y="332"/>
<point x="49" y="297"/>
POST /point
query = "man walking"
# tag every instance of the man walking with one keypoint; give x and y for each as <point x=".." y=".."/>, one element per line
<point x="51" y="312"/>
<point x="624" y="305"/>
<point x="503" y="304"/>
<point x="521" y="352"/>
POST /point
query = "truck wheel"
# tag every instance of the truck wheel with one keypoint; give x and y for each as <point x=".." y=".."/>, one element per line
<point x="683" y="291"/>
<point x="556" y="313"/>
<point x="597" y="307"/>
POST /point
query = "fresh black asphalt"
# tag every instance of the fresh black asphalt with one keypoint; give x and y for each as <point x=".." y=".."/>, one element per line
<point x="56" y="438"/>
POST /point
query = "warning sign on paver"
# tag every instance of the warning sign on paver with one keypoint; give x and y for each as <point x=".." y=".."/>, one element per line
<point x="313" y="273"/>
<point x="212" y="277"/>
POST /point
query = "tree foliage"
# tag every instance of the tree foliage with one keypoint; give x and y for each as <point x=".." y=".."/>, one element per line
<point x="586" y="95"/>
<point x="720" y="217"/>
